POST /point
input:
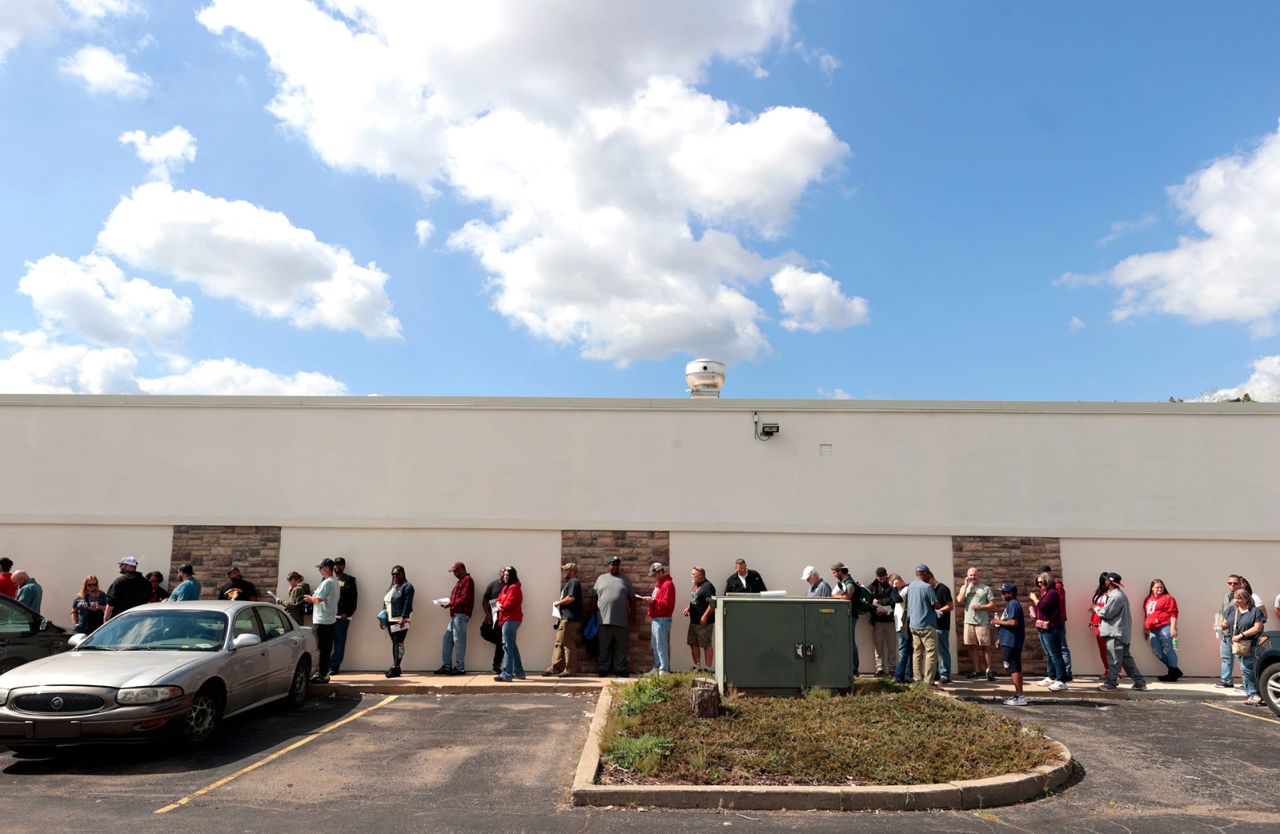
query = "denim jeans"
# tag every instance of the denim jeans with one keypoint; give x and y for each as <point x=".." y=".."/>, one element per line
<point x="660" y="639"/>
<point x="512" y="668"/>
<point x="1050" y="641"/>
<point x="1249" y="671"/>
<point x="1228" y="661"/>
<point x="853" y="641"/>
<point x="455" y="642"/>
<point x="944" y="654"/>
<point x="1066" y="652"/>
<point x="340" y="627"/>
<point x="902" y="672"/>
<point x="1162" y="646"/>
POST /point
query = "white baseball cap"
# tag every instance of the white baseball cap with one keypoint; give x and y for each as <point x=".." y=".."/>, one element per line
<point x="130" y="561"/>
<point x="809" y="570"/>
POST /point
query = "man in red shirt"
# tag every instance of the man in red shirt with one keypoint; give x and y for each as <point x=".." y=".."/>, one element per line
<point x="662" y="604"/>
<point x="462" y="600"/>
<point x="8" y="587"/>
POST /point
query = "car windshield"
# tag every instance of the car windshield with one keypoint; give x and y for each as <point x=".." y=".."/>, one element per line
<point x="160" y="630"/>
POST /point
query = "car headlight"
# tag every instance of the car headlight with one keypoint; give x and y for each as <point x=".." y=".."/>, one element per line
<point x="148" y="694"/>
<point x="4" y="697"/>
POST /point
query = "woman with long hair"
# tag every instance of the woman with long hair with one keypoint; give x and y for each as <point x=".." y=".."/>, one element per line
<point x="510" y="614"/>
<point x="1161" y="628"/>
<point x="159" y="593"/>
<point x="398" y="603"/>
<point x="88" y="607"/>
<point x="1241" y="625"/>
<point x="1099" y="598"/>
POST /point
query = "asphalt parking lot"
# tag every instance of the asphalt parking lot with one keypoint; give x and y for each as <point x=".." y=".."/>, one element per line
<point x="504" y="763"/>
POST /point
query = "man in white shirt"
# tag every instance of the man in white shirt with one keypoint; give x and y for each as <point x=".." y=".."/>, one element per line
<point x="323" y="616"/>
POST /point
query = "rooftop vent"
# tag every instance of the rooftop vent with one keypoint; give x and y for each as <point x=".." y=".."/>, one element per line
<point x="705" y="378"/>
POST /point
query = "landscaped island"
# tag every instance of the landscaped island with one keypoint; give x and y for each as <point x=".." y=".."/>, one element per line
<point x="880" y="735"/>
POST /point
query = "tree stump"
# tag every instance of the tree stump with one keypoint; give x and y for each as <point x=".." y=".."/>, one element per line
<point x="705" y="698"/>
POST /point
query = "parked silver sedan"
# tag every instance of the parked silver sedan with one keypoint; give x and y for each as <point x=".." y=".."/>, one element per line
<point x="156" y="669"/>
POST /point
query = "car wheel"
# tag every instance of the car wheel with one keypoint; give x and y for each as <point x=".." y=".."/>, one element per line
<point x="202" y="718"/>
<point x="9" y="665"/>
<point x="1269" y="686"/>
<point x="300" y="686"/>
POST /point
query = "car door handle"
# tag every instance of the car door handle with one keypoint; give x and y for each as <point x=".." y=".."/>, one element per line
<point x="294" y="641"/>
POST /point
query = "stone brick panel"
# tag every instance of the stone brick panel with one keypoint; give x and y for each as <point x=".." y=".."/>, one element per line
<point x="213" y="549"/>
<point x="1018" y="560"/>
<point x="592" y="550"/>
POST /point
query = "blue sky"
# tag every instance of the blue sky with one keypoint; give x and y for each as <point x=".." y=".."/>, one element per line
<point x="933" y="201"/>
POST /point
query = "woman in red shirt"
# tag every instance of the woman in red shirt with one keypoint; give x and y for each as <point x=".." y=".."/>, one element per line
<point x="510" y="615"/>
<point x="1161" y="628"/>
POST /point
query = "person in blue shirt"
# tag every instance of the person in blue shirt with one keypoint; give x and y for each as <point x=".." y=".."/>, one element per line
<point x="30" y="593"/>
<point x="187" y="588"/>
<point x="1012" y="627"/>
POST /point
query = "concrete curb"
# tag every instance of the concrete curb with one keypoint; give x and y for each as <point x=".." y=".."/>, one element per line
<point x="967" y="794"/>
<point x="469" y="684"/>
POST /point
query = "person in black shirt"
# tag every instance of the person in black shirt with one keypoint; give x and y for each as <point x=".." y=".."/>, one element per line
<point x="237" y="587"/>
<point x="130" y="589"/>
<point x="701" y="612"/>
<point x="569" y="627"/>
<point x="490" y="627"/>
<point x="883" y="638"/>
<point x="348" y="598"/>
<point x="159" y="593"/>
<point x="743" y="581"/>
<point x="945" y="606"/>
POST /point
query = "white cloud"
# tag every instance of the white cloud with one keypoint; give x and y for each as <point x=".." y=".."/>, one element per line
<point x="1230" y="271"/>
<point x="1262" y="386"/>
<point x="104" y="71"/>
<point x="91" y="299"/>
<point x="98" y="9"/>
<point x="596" y="156"/>
<point x="20" y="19"/>
<point x="424" y="229"/>
<point x="166" y="153"/>
<point x="234" y="249"/>
<point x="1124" y="228"/>
<point x="227" y="376"/>
<point x="834" y="394"/>
<point x="816" y="56"/>
<point x="1076" y="324"/>
<point x="813" y="301"/>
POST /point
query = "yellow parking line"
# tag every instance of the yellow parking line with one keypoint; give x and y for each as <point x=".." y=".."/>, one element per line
<point x="268" y="759"/>
<point x="1245" y="714"/>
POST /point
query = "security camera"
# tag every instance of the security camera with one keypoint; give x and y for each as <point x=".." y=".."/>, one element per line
<point x="769" y="429"/>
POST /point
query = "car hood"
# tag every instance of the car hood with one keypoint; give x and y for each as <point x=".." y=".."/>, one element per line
<point x="97" y="668"/>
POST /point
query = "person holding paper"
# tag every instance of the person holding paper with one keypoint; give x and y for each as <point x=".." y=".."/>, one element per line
<point x="461" y="601"/>
<point x="398" y="603"/>
<point x="510" y="607"/>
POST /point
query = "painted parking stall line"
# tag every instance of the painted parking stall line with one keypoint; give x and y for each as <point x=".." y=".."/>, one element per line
<point x="213" y="786"/>
<point x="1241" y="712"/>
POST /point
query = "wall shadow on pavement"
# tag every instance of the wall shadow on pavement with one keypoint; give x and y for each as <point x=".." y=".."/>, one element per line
<point x="240" y="741"/>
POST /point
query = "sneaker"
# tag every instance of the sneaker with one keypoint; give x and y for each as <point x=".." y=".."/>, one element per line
<point x="1139" y="687"/>
<point x="320" y="679"/>
<point x="1044" y="682"/>
<point x="1225" y="685"/>
<point x="973" y="676"/>
<point x="502" y="679"/>
<point x="458" y="672"/>
<point x="393" y="672"/>
<point x="550" y="674"/>
<point x="1254" y="700"/>
<point x="443" y="670"/>
<point x="991" y="675"/>
<point x="1015" y="701"/>
<point x="1106" y="687"/>
<point x="1057" y="686"/>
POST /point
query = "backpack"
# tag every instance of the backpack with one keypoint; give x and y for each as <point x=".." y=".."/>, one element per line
<point x="861" y="599"/>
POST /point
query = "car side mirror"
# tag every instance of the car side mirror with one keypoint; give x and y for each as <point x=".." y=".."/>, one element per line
<point x="45" y="625"/>
<point x="77" y="639"/>
<point x="245" y="640"/>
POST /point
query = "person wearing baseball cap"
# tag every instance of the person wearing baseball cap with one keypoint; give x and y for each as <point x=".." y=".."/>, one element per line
<point x="616" y="606"/>
<point x="323" y="617"/>
<point x="1012" y="627"/>
<point x="662" y="604"/>
<point x="922" y="617"/>
<point x="569" y="626"/>
<point x="818" y="586"/>
<point x="129" y="590"/>
<point x="1115" y="626"/>
<point x="348" y="599"/>
<point x="462" y="600"/>
<point x="187" y="588"/>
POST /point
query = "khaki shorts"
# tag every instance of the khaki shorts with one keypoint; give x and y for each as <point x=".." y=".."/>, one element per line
<point x="977" y="635"/>
<point x="700" y="635"/>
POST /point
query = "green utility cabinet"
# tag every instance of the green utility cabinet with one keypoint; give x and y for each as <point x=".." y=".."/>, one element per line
<point x="780" y="646"/>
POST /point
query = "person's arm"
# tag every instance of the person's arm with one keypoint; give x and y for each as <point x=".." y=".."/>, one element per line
<point x="1110" y="607"/>
<point x="963" y="594"/>
<point x="760" y="583"/>
<point x="407" y="609"/>
<point x="949" y="605"/>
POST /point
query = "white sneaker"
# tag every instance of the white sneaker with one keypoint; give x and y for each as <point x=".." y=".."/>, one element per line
<point x="1044" y="682"/>
<point x="1057" y="686"/>
<point x="1015" y="701"/>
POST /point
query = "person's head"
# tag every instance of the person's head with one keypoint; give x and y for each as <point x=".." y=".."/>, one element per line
<point x="293" y="578"/>
<point x="21" y="577"/>
<point x="6" y="564"/>
<point x="234" y="574"/>
<point x="839" y="570"/>
<point x="510" y="576"/>
<point x="615" y="566"/>
<point x="922" y="571"/>
<point x="397" y="575"/>
<point x="1113" y="581"/>
<point x="698" y="575"/>
<point x="1244" y="583"/>
<point x="1157" y="588"/>
<point x="931" y="579"/>
<point x="1008" y="591"/>
<point x="1102" y="584"/>
<point x="340" y="566"/>
<point x="1233" y="582"/>
<point x="657" y="570"/>
<point x="326" y="567"/>
<point x="128" y="565"/>
<point x="89" y="587"/>
<point x="740" y="567"/>
<point x="459" y="570"/>
<point x="810" y="575"/>
<point x="1244" y="599"/>
<point x="188" y="572"/>
<point x="972" y="575"/>
<point x="1044" y="581"/>
<point x="155" y="577"/>
<point x="569" y="569"/>
<point x="1049" y="570"/>
<point x="882" y="574"/>
<point x="896" y="580"/>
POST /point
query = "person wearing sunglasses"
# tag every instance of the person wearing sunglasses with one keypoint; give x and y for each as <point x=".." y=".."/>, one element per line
<point x="398" y="605"/>
<point x="88" y="607"/>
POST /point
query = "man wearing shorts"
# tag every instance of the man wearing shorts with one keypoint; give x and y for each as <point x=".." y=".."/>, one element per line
<point x="1012" y="624"/>
<point x="701" y="614"/>
<point x="978" y="602"/>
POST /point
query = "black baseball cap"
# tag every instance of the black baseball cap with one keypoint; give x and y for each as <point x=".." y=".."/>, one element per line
<point x="326" y="563"/>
